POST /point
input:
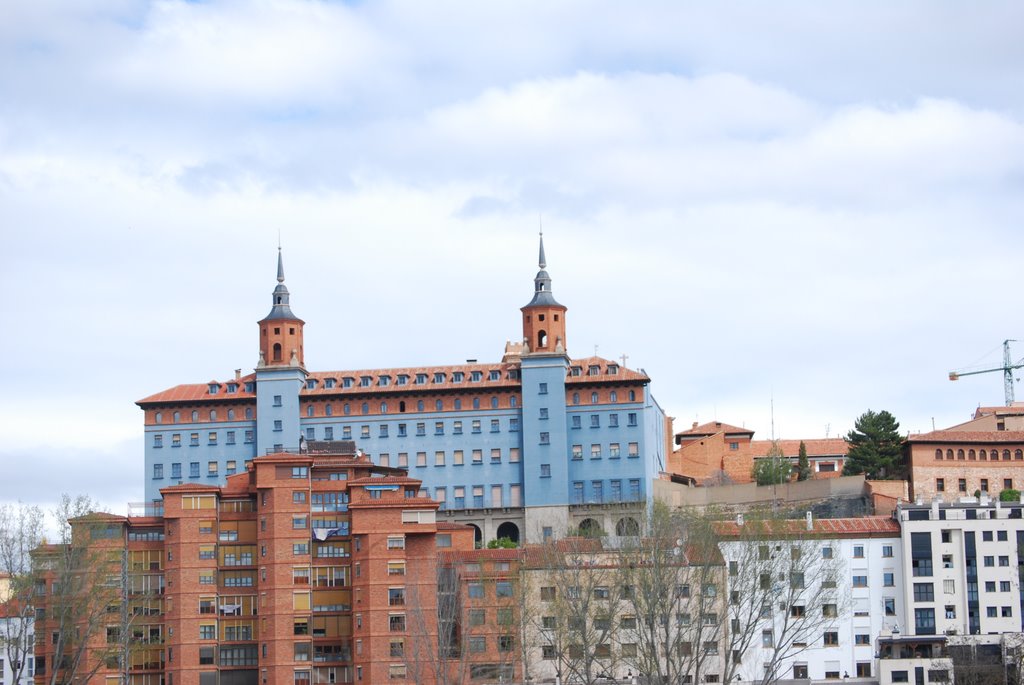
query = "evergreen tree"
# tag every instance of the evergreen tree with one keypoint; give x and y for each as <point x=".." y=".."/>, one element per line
<point x="876" y="447"/>
<point x="772" y="469"/>
<point x="803" y="465"/>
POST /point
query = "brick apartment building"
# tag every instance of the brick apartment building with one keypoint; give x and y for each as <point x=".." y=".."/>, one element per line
<point x="984" y="455"/>
<point x="508" y="446"/>
<point x="299" y="570"/>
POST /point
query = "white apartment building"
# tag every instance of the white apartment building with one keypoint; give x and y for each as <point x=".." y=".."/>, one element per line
<point x="852" y="575"/>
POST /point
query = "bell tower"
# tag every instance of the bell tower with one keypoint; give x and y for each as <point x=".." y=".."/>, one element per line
<point x="280" y="373"/>
<point x="543" y="317"/>
<point x="281" y="330"/>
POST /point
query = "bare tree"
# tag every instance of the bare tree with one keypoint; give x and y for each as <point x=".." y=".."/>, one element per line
<point x="21" y="531"/>
<point x="782" y="593"/>
<point x="581" y="593"/>
<point x="673" y="585"/>
<point x="81" y="579"/>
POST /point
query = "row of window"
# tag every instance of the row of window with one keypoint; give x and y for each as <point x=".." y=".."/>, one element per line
<point x="385" y="380"/>
<point x="402" y="429"/>
<point x="212" y="438"/>
<point x="458" y="457"/>
<point x="211" y="415"/>
<point x="576" y="421"/>
<point x="614" y="451"/>
<point x="982" y="455"/>
<point x="961" y="484"/>
<point x="212" y="469"/>
<point x="584" y="492"/>
<point x="498" y="498"/>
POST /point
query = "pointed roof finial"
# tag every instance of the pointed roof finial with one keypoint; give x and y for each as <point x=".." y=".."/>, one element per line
<point x="280" y="266"/>
<point x="542" y="261"/>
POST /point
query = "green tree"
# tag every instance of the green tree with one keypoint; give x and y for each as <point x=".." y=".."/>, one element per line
<point x="803" y="464"/>
<point x="876" y="447"/>
<point x="772" y="469"/>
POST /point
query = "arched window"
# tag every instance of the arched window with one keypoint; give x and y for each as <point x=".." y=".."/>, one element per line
<point x="949" y="455"/>
<point x="982" y="455"/>
<point x="457" y="403"/>
<point x="970" y="455"/>
<point x="328" y="409"/>
<point x="175" y="417"/>
<point x="195" y="416"/>
<point x="476" y="403"/>
<point x="231" y="414"/>
<point x="438" y="405"/>
<point x="938" y="454"/>
<point x="365" y="408"/>
<point x="248" y="412"/>
<point x="632" y="396"/>
<point x="401" y="406"/>
<point x="960" y="455"/>
<point x="494" y="403"/>
<point x="512" y="401"/>
<point x="613" y="396"/>
<point x="542" y="339"/>
<point x="383" y="407"/>
<point x="277" y="352"/>
<point x="213" y="414"/>
<point x="593" y="398"/>
<point x="1018" y="455"/>
<point x="575" y="398"/>
<point x="419" y="405"/>
<point x="345" y="409"/>
<point x="158" y="417"/>
<point x="309" y="410"/>
<point x="1006" y="455"/>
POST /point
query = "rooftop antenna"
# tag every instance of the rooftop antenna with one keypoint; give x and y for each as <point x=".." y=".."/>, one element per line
<point x="773" y="414"/>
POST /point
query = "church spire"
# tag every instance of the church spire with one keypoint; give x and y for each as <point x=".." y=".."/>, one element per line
<point x="543" y="317"/>
<point x="281" y="330"/>
<point x="280" y="266"/>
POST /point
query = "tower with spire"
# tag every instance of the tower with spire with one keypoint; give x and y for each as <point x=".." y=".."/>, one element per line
<point x="543" y="317"/>
<point x="543" y="369"/>
<point x="280" y="372"/>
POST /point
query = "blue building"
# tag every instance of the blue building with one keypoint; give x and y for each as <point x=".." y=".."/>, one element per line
<point x="528" y="447"/>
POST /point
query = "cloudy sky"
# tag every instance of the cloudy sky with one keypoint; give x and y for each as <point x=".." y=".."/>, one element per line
<point x="816" y="203"/>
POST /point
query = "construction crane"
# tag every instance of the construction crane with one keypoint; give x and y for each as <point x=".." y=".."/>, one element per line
<point x="1007" y="368"/>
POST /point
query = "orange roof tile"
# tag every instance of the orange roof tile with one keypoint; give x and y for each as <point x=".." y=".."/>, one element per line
<point x="816" y="447"/>
<point x="969" y="436"/>
<point x="200" y="392"/>
<point x="713" y="428"/>
<point x="864" y="526"/>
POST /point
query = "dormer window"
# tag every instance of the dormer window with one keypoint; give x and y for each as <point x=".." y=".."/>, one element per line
<point x="421" y="379"/>
<point x="347" y="382"/>
<point x="214" y="388"/>
<point x="384" y="381"/>
<point x="476" y="376"/>
<point x="365" y="381"/>
<point x="494" y="376"/>
<point x="458" y="377"/>
<point x="576" y="371"/>
<point x="593" y="370"/>
<point x="232" y="388"/>
<point x="250" y="387"/>
<point x="329" y="383"/>
<point x="311" y="384"/>
<point x="613" y="369"/>
<point x="402" y="379"/>
<point x="439" y="378"/>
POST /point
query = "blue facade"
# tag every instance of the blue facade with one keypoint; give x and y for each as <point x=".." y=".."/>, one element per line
<point x="536" y="430"/>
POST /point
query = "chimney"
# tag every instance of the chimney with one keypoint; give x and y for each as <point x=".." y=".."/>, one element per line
<point x="694" y="427"/>
<point x="471" y="361"/>
<point x="809" y="517"/>
<point x="238" y="374"/>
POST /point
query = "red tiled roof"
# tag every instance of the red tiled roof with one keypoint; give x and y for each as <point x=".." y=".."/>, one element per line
<point x="969" y="436"/>
<point x="713" y="428"/>
<point x="383" y="480"/>
<point x="1016" y="409"/>
<point x="844" y="527"/>
<point x="200" y="392"/>
<point x="823" y="447"/>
